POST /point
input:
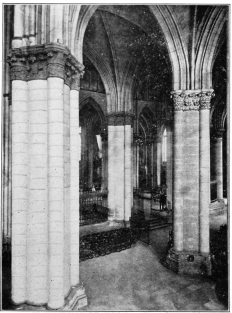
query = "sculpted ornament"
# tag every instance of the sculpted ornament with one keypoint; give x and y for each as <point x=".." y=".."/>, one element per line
<point x="191" y="102"/>
<point x="41" y="62"/>
<point x="18" y="73"/>
<point x="178" y="100"/>
<point x="205" y="99"/>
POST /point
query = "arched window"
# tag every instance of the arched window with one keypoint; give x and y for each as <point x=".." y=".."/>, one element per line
<point x="164" y="146"/>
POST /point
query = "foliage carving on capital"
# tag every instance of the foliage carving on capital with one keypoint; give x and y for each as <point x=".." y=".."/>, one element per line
<point x="18" y="73"/>
<point x="205" y="99"/>
<point x="178" y="101"/>
<point x="191" y="102"/>
<point x="41" y="62"/>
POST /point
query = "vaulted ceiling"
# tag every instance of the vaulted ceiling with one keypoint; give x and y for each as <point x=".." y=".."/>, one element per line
<point x="129" y="43"/>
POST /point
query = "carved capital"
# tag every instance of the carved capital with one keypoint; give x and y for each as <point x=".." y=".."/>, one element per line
<point x="120" y="118"/>
<point x="18" y="73"/>
<point x="191" y="102"/>
<point x="178" y="101"/>
<point x="41" y="62"/>
<point x="205" y="99"/>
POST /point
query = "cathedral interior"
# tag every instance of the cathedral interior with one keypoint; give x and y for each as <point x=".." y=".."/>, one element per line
<point x="115" y="149"/>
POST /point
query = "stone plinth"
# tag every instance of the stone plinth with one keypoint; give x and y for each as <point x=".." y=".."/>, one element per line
<point x="191" y="263"/>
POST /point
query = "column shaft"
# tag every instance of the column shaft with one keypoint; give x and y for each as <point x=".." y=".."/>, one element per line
<point x="190" y="181"/>
<point x="67" y="189"/>
<point x="169" y="170"/>
<point x="119" y="172"/>
<point x="159" y="156"/>
<point x="56" y="192"/>
<point x="37" y="227"/>
<point x="177" y="184"/>
<point x="204" y="180"/>
<point x="5" y="170"/>
<point x="104" y="164"/>
<point x="219" y="167"/>
<point x="74" y="187"/>
<point x="128" y="172"/>
<point x="32" y="23"/>
<point x="111" y="171"/>
<point x="18" y="25"/>
<point x="19" y="190"/>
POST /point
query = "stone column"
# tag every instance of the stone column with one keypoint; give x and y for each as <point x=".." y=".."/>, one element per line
<point x="135" y="161"/>
<point x="111" y="169"/>
<point x="204" y="182"/>
<point x="20" y="140"/>
<point x="178" y="163"/>
<point x="119" y="166"/>
<point x="37" y="224"/>
<point x="104" y="161"/>
<point x="18" y="25"/>
<point x="159" y="161"/>
<point x="128" y="171"/>
<point x="45" y="242"/>
<point x="169" y="168"/>
<point x="218" y="145"/>
<point x="190" y="185"/>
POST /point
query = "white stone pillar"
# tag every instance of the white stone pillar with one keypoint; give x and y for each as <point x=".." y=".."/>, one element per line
<point x="159" y="161"/>
<point x="45" y="210"/>
<point x="204" y="170"/>
<point x="178" y="172"/>
<point x="219" y="165"/>
<point x="119" y="172"/>
<point x="119" y="166"/>
<point x="74" y="187"/>
<point x="56" y="191"/>
<point x="18" y="25"/>
<point x="32" y="25"/>
<point x="20" y="139"/>
<point x="37" y="223"/>
<point x="128" y="172"/>
<point x="5" y="170"/>
<point x="25" y="40"/>
<point x="104" y="162"/>
<point x="67" y="189"/>
<point x="111" y="170"/>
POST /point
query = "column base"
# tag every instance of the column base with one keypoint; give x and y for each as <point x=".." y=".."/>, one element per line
<point x="75" y="300"/>
<point x="191" y="263"/>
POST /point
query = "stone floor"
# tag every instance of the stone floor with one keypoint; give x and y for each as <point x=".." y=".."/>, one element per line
<point x="135" y="280"/>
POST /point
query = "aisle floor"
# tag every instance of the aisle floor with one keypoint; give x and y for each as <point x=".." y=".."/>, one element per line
<point x="135" y="280"/>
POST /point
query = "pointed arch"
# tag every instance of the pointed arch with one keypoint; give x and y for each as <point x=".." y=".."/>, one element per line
<point x="97" y="107"/>
<point x="106" y="76"/>
<point x="211" y="29"/>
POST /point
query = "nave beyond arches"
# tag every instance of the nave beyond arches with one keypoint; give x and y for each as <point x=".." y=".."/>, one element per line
<point x="115" y="101"/>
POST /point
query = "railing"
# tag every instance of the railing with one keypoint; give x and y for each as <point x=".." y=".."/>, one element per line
<point x="93" y="208"/>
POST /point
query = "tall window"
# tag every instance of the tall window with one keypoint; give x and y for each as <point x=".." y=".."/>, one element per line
<point x="164" y="147"/>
